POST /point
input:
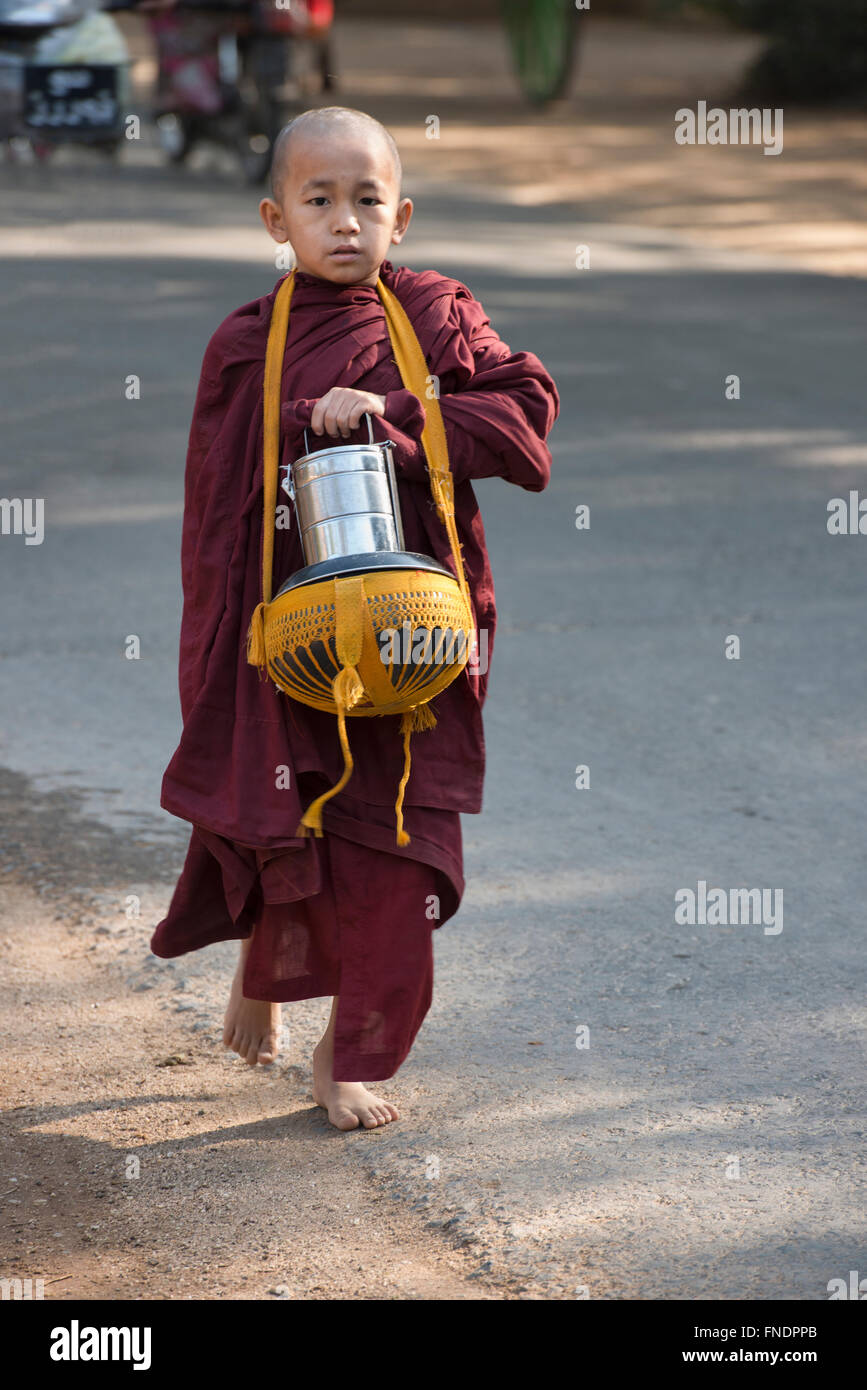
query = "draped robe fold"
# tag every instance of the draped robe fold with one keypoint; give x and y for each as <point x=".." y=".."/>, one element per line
<point x="250" y="759"/>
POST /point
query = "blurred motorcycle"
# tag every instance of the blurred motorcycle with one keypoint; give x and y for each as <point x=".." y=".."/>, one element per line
<point x="64" y="76"/>
<point x="223" y="70"/>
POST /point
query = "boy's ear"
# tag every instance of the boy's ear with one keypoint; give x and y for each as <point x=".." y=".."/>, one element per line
<point x="271" y="215"/>
<point x="401" y="220"/>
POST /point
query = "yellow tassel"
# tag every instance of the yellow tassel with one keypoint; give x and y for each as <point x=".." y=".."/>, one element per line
<point x="256" y="637"/>
<point x="311" y="820"/>
<point x="422" y="717"/>
<point x="347" y="689"/>
<point x="406" y="728"/>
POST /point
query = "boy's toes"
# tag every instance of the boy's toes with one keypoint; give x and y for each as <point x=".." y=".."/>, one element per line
<point x="252" y="1029"/>
<point x="343" y="1117"/>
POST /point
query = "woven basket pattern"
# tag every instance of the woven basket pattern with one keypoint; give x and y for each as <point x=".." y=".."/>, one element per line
<point x="301" y="641"/>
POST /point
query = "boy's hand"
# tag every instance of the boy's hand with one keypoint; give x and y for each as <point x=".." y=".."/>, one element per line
<point x="340" y="410"/>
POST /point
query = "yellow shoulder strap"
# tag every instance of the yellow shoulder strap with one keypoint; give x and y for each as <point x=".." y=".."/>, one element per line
<point x="274" y="354"/>
<point x="416" y="378"/>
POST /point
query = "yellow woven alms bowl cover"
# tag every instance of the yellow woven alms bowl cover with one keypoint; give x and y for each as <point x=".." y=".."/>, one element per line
<point x="412" y="633"/>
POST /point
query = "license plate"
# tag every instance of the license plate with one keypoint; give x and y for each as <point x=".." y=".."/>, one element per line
<point x="71" y="97"/>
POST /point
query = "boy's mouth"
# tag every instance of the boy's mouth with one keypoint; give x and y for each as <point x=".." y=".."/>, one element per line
<point x="345" y="253"/>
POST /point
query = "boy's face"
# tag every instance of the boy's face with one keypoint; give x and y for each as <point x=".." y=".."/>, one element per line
<point x="337" y="192"/>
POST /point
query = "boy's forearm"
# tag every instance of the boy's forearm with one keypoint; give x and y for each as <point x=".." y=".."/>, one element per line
<point x="489" y="433"/>
<point x="496" y="425"/>
<point x="500" y="434"/>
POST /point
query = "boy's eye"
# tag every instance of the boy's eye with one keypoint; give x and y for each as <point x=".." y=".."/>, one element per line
<point x="319" y="199"/>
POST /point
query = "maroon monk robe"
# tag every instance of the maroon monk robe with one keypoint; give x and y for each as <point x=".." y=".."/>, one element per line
<point x="239" y="731"/>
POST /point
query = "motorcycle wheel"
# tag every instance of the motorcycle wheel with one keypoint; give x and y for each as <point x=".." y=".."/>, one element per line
<point x="255" y="153"/>
<point x="326" y="64"/>
<point x="175" y="136"/>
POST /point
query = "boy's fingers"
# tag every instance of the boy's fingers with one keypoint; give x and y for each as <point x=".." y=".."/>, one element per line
<point x="336" y="422"/>
<point x="325" y="417"/>
<point x="347" y="415"/>
<point x="323" y="411"/>
<point x="359" y="409"/>
<point x="341" y="409"/>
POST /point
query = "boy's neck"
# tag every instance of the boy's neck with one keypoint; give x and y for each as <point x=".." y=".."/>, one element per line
<point x="368" y="283"/>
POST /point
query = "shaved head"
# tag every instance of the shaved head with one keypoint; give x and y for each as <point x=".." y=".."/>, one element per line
<point x="335" y="176"/>
<point x="334" y="122"/>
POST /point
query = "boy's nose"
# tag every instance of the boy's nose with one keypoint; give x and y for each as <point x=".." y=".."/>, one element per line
<point x="346" y="221"/>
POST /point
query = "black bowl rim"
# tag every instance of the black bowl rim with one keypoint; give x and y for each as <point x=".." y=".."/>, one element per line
<point x="362" y="564"/>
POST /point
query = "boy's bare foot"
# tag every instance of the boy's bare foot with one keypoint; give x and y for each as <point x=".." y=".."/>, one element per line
<point x="251" y="1026"/>
<point x="349" y="1103"/>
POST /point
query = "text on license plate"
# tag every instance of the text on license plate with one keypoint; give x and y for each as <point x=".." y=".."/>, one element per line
<point x="70" y="97"/>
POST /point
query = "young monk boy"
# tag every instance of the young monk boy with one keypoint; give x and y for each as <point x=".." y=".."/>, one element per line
<point x="349" y="913"/>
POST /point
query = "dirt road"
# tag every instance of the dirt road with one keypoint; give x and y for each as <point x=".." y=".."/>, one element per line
<point x="141" y="1161"/>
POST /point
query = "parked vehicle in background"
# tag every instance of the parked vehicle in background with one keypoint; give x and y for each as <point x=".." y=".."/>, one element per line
<point x="223" y="70"/>
<point x="64" y="76"/>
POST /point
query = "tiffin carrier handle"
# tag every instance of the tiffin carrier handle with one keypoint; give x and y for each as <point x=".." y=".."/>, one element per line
<point x="370" y="438"/>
